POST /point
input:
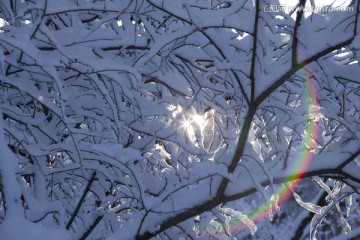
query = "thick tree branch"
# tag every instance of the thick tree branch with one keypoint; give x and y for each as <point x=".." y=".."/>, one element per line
<point x="254" y="48"/>
<point x="299" y="15"/>
<point x="186" y="214"/>
<point x="299" y="66"/>
<point x="239" y="149"/>
<point x="78" y="206"/>
<point x="91" y="228"/>
<point x="349" y="160"/>
<point x="306" y="62"/>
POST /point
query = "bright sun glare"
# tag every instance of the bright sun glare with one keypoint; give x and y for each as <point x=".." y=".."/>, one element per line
<point x="199" y="120"/>
<point x="194" y="121"/>
<point x="192" y="124"/>
<point x="187" y="124"/>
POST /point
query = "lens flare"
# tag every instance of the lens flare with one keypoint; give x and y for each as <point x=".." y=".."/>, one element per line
<point x="302" y="159"/>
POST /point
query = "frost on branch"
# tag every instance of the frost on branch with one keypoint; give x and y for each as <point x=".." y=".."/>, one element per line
<point x="307" y="205"/>
<point x="338" y="198"/>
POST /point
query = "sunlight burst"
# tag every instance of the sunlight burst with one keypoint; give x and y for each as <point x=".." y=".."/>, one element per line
<point x="193" y="124"/>
<point x="194" y="121"/>
<point x="187" y="124"/>
<point x="199" y="120"/>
